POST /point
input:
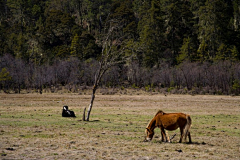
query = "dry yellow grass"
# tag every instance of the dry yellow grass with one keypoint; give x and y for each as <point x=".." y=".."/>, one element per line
<point x="31" y="127"/>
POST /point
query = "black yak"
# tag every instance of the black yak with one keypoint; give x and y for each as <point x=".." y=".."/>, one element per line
<point x="67" y="113"/>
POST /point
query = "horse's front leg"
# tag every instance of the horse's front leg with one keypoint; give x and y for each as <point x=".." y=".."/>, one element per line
<point x="164" y="137"/>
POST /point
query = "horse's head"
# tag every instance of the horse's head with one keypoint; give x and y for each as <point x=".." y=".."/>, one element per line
<point x="150" y="134"/>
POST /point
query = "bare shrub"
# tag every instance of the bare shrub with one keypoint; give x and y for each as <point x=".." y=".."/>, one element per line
<point x="112" y="77"/>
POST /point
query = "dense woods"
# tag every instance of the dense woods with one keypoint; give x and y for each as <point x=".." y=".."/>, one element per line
<point x="177" y="46"/>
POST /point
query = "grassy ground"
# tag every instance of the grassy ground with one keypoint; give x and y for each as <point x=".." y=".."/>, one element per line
<point x="31" y="127"/>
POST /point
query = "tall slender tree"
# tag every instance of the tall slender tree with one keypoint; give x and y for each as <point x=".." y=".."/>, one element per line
<point x="112" y="53"/>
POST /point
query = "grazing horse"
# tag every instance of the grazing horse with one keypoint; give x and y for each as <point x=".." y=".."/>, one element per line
<point x="169" y="121"/>
<point x="67" y="113"/>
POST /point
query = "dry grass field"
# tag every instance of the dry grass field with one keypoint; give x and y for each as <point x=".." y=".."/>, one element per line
<point x="31" y="127"/>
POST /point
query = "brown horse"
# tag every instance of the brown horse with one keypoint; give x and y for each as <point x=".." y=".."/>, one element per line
<point x="169" y="121"/>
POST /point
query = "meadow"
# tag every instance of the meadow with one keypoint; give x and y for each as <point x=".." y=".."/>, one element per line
<point x="31" y="127"/>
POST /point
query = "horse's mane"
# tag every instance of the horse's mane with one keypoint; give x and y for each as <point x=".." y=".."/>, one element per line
<point x="160" y="112"/>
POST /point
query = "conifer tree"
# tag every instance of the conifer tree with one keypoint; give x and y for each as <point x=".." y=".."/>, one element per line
<point x="213" y="26"/>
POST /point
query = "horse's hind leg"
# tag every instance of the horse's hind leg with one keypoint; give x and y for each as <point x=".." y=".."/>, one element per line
<point x="181" y="137"/>
<point x="167" y="136"/>
<point x="189" y="137"/>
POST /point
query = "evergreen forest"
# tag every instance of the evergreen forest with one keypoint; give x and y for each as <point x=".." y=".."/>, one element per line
<point x="175" y="46"/>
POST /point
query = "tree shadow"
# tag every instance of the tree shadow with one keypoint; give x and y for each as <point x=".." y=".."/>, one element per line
<point x="193" y="143"/>
<point x="200" y="143"/>
<point x="89" y="121"/>
<point x="95" y="120"/>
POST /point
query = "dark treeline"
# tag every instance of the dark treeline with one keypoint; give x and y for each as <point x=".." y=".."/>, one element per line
<point x="174" y="46"/>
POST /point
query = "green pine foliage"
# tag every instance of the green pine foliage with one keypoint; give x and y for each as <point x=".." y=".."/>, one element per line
<point x="161" y="30"/>
<point x="153" y="33"/>
<point x="4" y="75"/>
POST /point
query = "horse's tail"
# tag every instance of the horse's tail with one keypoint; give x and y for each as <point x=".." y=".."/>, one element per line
<point x="187" y="126"/>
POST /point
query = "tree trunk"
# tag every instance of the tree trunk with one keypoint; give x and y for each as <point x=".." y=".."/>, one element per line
<point x="109" y="57"/>
<point x="98" y="77"/>
<point x="19" y="88"/>
<point x="91" y="104"/>
<point x="83" y="118"/>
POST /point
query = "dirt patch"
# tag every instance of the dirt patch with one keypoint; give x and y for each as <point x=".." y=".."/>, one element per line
<point x="31" y="127"/>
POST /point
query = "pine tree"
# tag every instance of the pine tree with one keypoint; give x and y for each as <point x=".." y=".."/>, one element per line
<point x="151" y="31"/>
<point x="213" y="26"/>
<point x="179" y="23"/>
<point x="188" y="51"/>
<point x="236" y="14"/>
<point x="75" y="47"/>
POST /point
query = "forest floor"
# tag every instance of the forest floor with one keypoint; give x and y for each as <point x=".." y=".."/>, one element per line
<point x="31" y="127"/>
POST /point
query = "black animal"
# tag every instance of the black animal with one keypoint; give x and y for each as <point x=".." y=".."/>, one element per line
<point x="67" y="113"/>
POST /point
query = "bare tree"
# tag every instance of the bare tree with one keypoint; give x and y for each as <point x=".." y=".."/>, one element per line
<point x="112" y="53"/>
